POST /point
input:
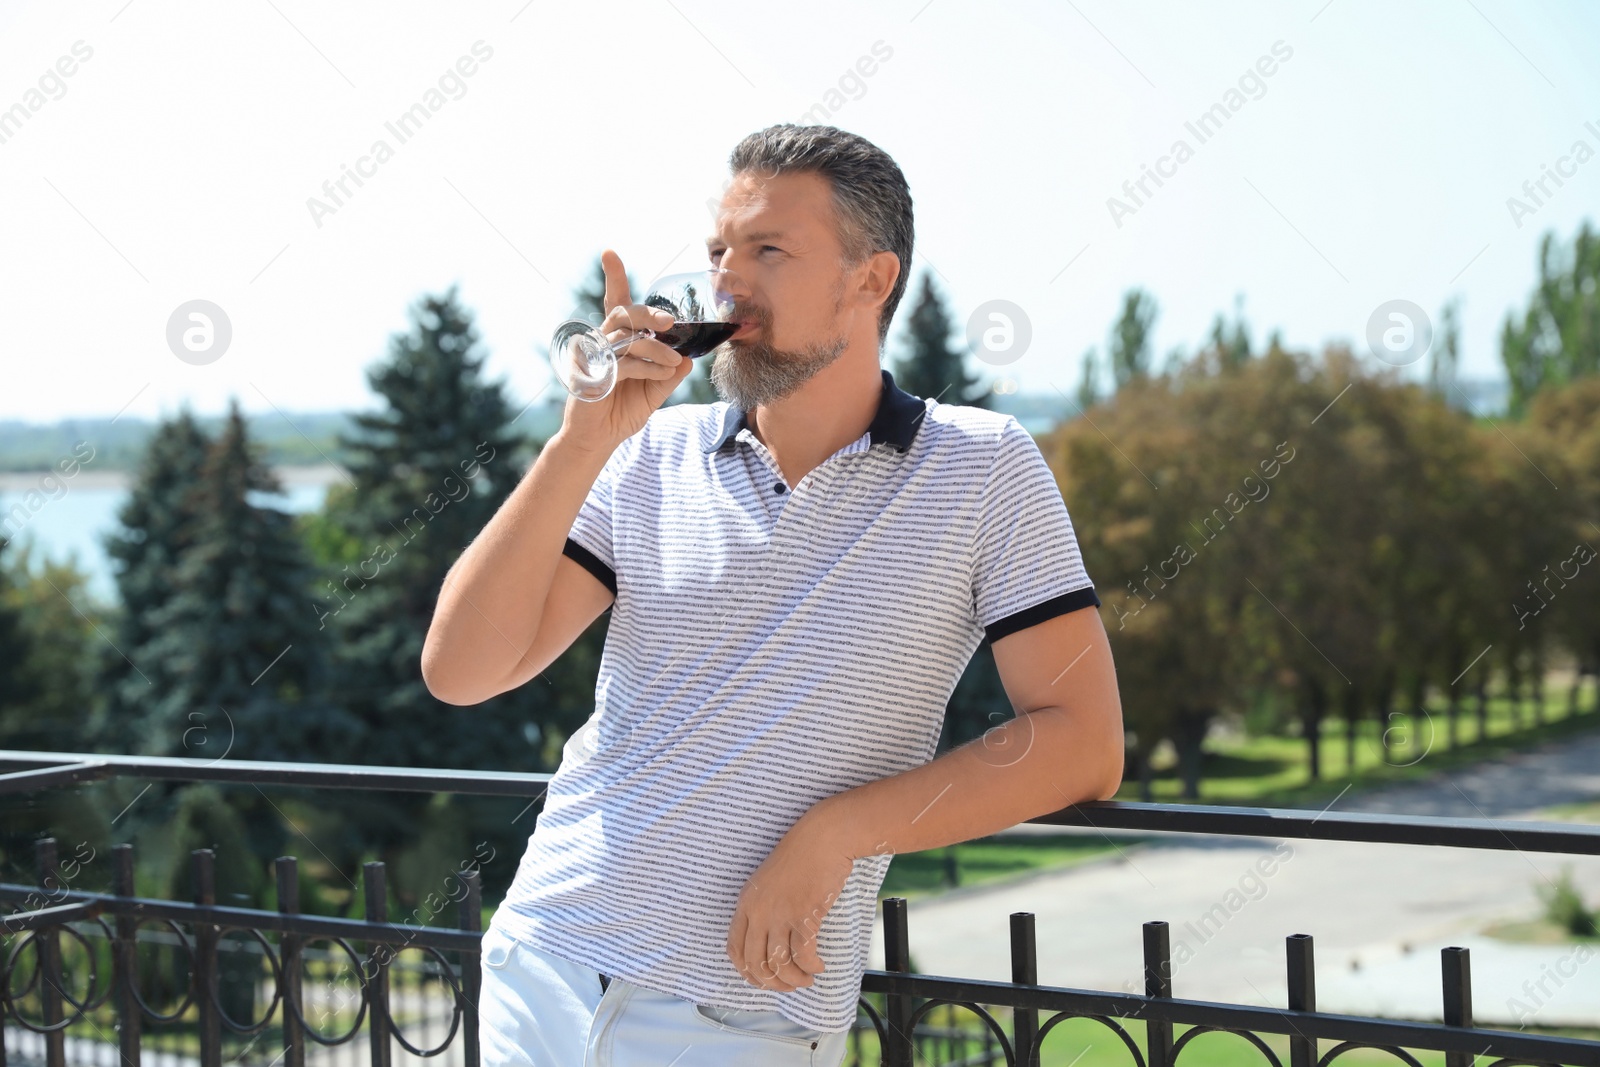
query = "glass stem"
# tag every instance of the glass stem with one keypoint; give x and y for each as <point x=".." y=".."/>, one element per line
<point x="639" y="335"/>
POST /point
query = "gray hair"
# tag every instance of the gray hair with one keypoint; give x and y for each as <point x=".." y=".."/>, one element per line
<point x="871" y="199"/>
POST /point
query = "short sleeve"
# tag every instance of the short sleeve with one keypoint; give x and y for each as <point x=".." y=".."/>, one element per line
<point x="591" y="543"/>
<point x="1026" y="566"/>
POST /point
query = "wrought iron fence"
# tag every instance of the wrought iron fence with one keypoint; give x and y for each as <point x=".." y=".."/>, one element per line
<point x="82" y="979"/>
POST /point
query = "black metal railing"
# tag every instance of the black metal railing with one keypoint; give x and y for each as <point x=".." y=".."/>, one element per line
<point x="47" y="987"/>
<point x="904" y="1017"/>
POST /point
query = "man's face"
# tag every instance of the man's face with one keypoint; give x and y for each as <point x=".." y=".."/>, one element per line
<point x="779" y="236"/>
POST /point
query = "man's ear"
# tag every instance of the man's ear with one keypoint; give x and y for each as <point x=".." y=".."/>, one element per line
<point x="877" y="277"/>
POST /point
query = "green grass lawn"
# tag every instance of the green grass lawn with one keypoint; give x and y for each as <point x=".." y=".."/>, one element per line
<point x="1274" y="771"/>
<point x="1585" y="811"/>
<point x="988" y="860"/>
<point x="1536" y="931"/>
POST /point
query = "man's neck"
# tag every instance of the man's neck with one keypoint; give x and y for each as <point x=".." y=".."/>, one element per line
<point x="826" y="413"/>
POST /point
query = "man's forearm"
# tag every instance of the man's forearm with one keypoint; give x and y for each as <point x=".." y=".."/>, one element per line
<point x="1038" y="762"/>
<point x="491" y="603"/>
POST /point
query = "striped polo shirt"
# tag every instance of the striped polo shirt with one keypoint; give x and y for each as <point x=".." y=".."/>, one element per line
<point x="769" y="648"/>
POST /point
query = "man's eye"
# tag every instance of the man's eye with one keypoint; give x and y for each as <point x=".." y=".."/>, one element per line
<point x="764" y="248"/>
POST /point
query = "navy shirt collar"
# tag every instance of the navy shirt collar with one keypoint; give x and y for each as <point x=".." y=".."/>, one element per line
<point x="895" y="423"/>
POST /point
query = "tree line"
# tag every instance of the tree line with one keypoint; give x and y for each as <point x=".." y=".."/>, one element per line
<point x="1295" y="538"/>
<point x="1301" y="539"/>
<point x="1305" y="541"/>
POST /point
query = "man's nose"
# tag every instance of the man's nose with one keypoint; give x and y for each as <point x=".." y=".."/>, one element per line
<point x="734" y="285"/>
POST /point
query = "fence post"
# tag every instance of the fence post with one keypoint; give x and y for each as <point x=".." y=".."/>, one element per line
<point x="898" y="1049"/>
<point x="125" y="959"/>
<point x="471" y="919"/>
<point x="203" y="866"/>
<point x="1457" y="976"/>
<point x="1302" y="995"/>
<point x="1024" y="971"/>
<point x="1158" y="984"/>
<point x="47" y="953"/>
<point x="376" y="887"/>
<point x="286" y="869"/>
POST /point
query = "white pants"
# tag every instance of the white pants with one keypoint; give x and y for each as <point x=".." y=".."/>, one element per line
<point x="538" y="1010"/>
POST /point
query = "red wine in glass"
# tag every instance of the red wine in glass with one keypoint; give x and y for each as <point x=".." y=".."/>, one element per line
<point x="693" y="339"/>
<point x="701" y="304"/>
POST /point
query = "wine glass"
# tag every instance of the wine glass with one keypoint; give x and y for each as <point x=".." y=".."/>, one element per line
<point x="701" y="303"/>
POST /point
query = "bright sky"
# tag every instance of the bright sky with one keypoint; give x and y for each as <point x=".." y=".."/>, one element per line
<point x="176" y="161"/>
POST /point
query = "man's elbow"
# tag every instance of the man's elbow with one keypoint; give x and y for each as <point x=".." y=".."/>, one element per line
<point x="1097" y="757"/>
<point x="1114" y="772"/>
<point x="1113" y="751"/>
<point x="1105" y="790"/>
<point x="442" y="687"/>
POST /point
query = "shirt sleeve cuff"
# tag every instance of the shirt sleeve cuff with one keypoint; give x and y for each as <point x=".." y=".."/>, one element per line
<point x="591" y="563"/>
<point x="1049" y="609"/>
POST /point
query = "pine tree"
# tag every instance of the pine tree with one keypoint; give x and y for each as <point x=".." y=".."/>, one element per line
<point x="157" y="526"/>
<point x="19" y="687"/>
<point x="1232" y="346"/>
<point x="430" y="470"/>
<point x="932" y="366"/>
<point x="46" y="644"/>
<point x="235" y="655"/>
<point x="1088" y="393"/>
<point x="1558" y="337"/>
<point x="1130" y="338"/>
<point x="1445" y="357"/>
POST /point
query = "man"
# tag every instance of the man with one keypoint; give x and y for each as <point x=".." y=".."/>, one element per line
<point x="797" y="576"/>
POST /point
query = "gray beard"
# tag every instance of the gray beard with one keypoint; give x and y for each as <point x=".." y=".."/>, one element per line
<point x="751" y="375"/>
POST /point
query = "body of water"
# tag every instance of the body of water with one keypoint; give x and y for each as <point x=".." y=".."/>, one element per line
<point x="76" y="514"/>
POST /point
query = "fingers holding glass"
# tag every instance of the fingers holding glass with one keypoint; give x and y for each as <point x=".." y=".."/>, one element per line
<point x="690" y="314"/>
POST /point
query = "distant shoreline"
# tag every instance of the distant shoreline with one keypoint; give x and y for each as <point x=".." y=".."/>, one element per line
<point x="322" y="474"/>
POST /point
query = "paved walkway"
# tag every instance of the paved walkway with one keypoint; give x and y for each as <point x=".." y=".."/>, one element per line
<point x="1379" y="913"/>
